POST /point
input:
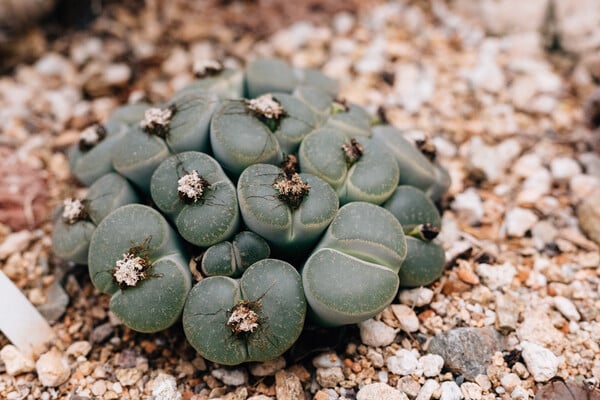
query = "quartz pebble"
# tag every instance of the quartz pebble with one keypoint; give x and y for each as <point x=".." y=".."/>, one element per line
<point x="450" y="391"/>
<point x="52" y="368"/>
<point x="468" y="206"/>
<point x="540" y="362"/>
<point x="405" y="362"/>
<point x="406" y="317"/>
<point x="267" y="368"/>
<point x="233" y="377"/>
<point x="431" y="364"/>
<point x="165" y="387"/>
<point x="471" y="391"/>
<point x="417" y="297"/>
<point x="496" y="276"/>
<point x="329" y="377"/>
<point x="376" y="333"/>
<point x="428" y="389"/>
<point x="14" y="243"/>
<point x="327" y="360"/>
<point x="566" y="308"/>
<point x="379" y="391"/>
<point x="15" y="362"/>
<point x="564" y="168"/>
<point x="518" y="221"/>
<point x="79" y="348"/>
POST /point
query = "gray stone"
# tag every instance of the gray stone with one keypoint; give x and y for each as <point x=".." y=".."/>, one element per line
<point x="467" y="351"/>
<point x="56" y="303"/>
<point x="102" y="332"/>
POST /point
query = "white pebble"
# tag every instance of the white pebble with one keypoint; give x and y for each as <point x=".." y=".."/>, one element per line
<point x="583" y="185"/>
<point x="537" y="185"/>
<point x="375" y="358"/>
<point x="450" y="391"/>
<point x="428" y="389"/>
<point x="165" y="388"/>
<point x="232" y="377"/>
<point x="496" y="276"/>
<point x="267" y="368"/>
<point x="541" y="362"/>
<point x="471" y="391"/>
<point x="468" y="206"/>
<point x="15" y="243"/>
<point x="79" y="348"/>
<point x="403" y="363"/>
<point x="518" y="221"/>
<point x="566" y="308"/>
<point x="409" y="322"/>
<point x="526" y="165"/>
<point x="15" y="362"/>
<point x="327" y="360"/>
<point x="431" y="364"/>
<point x="564" y="168"/>
<point x="417" y="297"/>
<point x="343" y="22"/>
<point x="379" y="391"/>
<point x="376" y="333"/>
<point x="52" y="368"/>
<point x="519" y="394"/>
<point x="510" y="382"/>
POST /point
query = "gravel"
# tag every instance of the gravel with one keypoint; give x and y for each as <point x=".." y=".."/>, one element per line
<point x="508" y="120"/>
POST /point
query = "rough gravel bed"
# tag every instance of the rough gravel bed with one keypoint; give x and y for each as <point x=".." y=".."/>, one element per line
<point x="518" y="303"/>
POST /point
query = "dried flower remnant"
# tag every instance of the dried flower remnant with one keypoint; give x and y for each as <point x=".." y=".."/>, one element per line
<point x="289" y="165"/>
<point x="353" y="151"/>
<point x="73" y="211"/>
<point x="427" y="148"/>
<point x="91" y="136"/>
<point x="243" y="319"/>
<point x="291" y="190"/>
<point x="206" y="68"/>
<point x="339" y="106"/>
<point x="129" y="270"/>
<point x="156" y="121"/>
<point x="266" y="106"/>
<point x="425" y="231"/>
<point x="191" y="187"/>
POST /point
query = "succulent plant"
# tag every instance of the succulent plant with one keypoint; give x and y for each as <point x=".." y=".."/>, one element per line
<point x="268" y="75"/>
<point x="358" y="169"/>
<point x="77" y="219"/>
<point x="213" y="77"/>
<point x="257" y="125"/>
<point x="288" y="209"/>
<point x="192" y="190"/>
<point x="415" y="168"/>
<point x="181" y="125"/>
<point x="232" y="258"/>
<point x="421" y="221"/>
<point x="255" y="318"/>
<point x="137" y="258"/>
<point x="353" y="273"/>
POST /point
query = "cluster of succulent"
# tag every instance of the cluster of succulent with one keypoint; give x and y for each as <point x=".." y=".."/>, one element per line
<point x="248" y="203"/>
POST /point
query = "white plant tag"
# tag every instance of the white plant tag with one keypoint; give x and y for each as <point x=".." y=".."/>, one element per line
<point x="21" y="322"/>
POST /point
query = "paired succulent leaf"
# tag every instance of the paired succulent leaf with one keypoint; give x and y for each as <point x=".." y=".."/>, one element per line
<point x="192" y="190"/>
<point x="255" y="318"/>
<point x="233" y="258"/>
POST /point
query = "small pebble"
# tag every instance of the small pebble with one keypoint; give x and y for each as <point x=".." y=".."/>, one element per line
<point x="406" y="316"/>
<point x="376" y="333"/>
<point x="408" y="385"/>
<point x="128" y="376"/>
<point x="519" y="393"/>
<point x="417" y="297"/>
<point x="566" y="308"/>
<point x="99" y="387"/>
<point x="450" y="391"/>
<point x="510" y="381"/>
<point x="518" y="221"/>
<point x="52" y="368"/>
<point x="15" y="243"/>
<point x="564" y="168"/>
<point x="405" y="362"/>
<point x="468" y="206"/>
<point x="79" y="348"/>
<point x="540" y="362"/>
<point x="268" y="368"/>
<point x="231" y="377"/>
<point x="327" y="360"/>
<point x="431" y="364"/>
<point x="15" y="362"/>
<point x="496" y="276"/>
<point x="471" y="391"/>
<point x="379" y="391"/>
<point x="165" y="388"/>
<point x="375" y="358"/>
<point x="428" y="389"/>
<point x="329" y="377"/>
